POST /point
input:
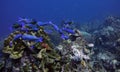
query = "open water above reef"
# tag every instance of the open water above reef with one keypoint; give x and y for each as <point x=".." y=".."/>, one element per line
<point x="81" y="11"/>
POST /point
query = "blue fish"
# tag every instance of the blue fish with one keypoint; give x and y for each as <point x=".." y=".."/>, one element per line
<point x="64" y="37"/>
<point x="44" y="23"/>
<point x="48" y="31"/>
<point x="60" y="31"/>
<point x="67" y="23"/>
<point x="55" y="27"/>
<point x="24" y="20"/>
<point x="28" y="37"/>
<point x="32" y="38"/>
<point x="68" y="30"/>
<point x="34" y="29"/>
<point x="17" y="36"/>
<point x="30" y="25"/>
<point x="27" y="30"/>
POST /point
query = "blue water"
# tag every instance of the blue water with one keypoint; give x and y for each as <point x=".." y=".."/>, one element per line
<point x="55" y="10"/>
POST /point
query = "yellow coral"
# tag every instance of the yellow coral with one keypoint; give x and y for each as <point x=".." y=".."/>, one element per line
<point x="16" y="55"/>
<point x="83" y="63"/>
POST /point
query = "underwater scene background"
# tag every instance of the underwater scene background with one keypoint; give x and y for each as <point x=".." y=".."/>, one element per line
<point x="60" y="36"/>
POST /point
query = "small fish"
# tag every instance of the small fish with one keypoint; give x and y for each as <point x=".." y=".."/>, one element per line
<point x="60" y="31"/>
<point x="44" y="23"/>
<point x="24" y="20"/>
<point x="68" y="30"/>
<point x="34" y="29"/>
<point x="17" y="37"/>
<point x="64" y="37"/>
<point x="48" y="31"/>
<point x="27" y="30"/>
<point x="29" y="37"/>
<point x="30" y="25"/>
<point x="55" y="27"/>
<point x="67" y="23"/>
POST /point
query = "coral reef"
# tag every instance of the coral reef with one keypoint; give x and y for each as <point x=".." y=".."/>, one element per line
<point x="35" y="46"/>
<point x="106" y="41"/>
<point x="24" y="52"/>
<point x="76" y="54"/>
<point x="29" y="48"/>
